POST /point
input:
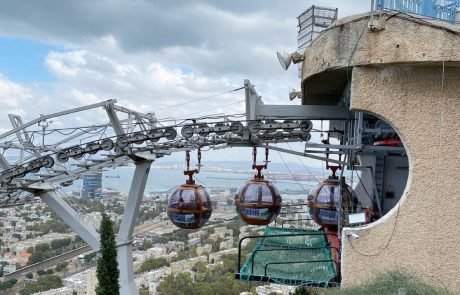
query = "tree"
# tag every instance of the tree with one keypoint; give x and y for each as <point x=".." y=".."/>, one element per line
<point x="153" y="263"/>
<point x="107" y="265"/>
<point x="302" y="290"/>
<point x="43" y="284"/>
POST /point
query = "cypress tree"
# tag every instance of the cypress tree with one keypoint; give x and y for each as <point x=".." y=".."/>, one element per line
<point x="107" y="265"/>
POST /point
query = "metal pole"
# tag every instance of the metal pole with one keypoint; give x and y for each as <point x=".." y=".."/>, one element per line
<point x="125" y="234"/>
<point x="71" y="218"/>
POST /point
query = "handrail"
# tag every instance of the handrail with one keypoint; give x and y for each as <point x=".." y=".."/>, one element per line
<point x="275" y="236"/>
<point x="253" y="255"/>
<point x="297" y="262"/>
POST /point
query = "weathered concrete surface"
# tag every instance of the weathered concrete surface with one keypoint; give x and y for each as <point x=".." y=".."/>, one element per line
<point x="421" y="234"/>
<point x="349" y="42"/>
<point x="409" y="74"/>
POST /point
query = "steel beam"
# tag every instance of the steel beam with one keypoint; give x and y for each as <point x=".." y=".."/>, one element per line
<point x="4" y="163"/>
<point x="305" y="155"/>
<point x="125" y="234"/>
<point x="71" y="218"/>
<point x="116" y="124"/>
<point x="58" y="114"/>
<point x="307" y="112"/>
<point x="253" y="101"/>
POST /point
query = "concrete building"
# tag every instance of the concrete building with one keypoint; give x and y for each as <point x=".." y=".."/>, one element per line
<point x="197" y="234"/>
<point x="405" y="70"/>
<point x="227" y="244"/>
<point x="223" y="232"/>
<point x="203" y="250"/>
<point x="271" y="289"/>
<point x="194" y="241"/>
<point x="92" y="185"/>
<point x="217" y="256"/>
<point x="155" y="276"/>
<point x="186" y="264"/>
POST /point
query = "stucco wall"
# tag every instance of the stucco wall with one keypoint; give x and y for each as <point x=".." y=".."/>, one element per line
<point x="403" y="39"/>
<point x="422" y="233"/>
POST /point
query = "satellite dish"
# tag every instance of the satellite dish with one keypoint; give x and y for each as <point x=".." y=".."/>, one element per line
<point x="284" y="59"/>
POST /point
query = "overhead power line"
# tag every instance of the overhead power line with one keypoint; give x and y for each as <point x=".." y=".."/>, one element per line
<point x="198" y="99"/>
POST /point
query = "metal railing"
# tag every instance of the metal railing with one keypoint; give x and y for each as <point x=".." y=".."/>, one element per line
<point x="438" y="9"/>
<point x="276" y="236"/>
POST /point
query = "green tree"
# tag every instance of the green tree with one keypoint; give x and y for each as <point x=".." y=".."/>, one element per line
<point x="153" y="263"/>
<point x="43" y="284"/>
<point x="61" y="266"/>
<point x="301" y="291"/>
<point x="107" y="265"/>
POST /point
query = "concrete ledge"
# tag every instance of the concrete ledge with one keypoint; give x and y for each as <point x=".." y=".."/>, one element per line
<point x="402" y="39"/>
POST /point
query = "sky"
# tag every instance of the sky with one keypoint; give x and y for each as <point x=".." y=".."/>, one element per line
<point x="149" y="55"/>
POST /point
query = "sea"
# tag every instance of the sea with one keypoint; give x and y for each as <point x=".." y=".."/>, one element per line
<point x="164" y="180"/>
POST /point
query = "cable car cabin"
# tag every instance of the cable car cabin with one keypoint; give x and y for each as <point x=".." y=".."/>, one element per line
<point x="324" y="200"/>
<point x="258" y="202"/>
<point x="189" y="206"/>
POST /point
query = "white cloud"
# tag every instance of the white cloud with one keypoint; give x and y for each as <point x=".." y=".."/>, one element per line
<point x="150" y="55"/>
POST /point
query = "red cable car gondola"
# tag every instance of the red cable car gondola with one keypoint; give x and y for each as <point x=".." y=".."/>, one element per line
<point x="258" y="201"/>
<point x="324" y="200"/>
<point x="329" y="195"/>
<point x="189" y="205"/>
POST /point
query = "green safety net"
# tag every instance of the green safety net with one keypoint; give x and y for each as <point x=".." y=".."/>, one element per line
<point x="291" y="260"/>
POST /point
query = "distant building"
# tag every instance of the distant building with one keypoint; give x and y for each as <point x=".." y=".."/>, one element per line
<point x="92" y="185"/>
<point x="225" y="245"/>
<point x="202" y="250"/>
<point x="216" y="257"/>
<point x="194" y="241"/>
<point x="9" y="268"/>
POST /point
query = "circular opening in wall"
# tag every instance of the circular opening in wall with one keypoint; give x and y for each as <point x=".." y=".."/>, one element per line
<point x="381" y="175"/>
<point x="368" y="171"/>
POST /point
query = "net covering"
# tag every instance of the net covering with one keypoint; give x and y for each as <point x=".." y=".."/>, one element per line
<point x="283" y="259"/>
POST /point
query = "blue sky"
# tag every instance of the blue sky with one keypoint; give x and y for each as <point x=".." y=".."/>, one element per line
<point x="22" y="60"/>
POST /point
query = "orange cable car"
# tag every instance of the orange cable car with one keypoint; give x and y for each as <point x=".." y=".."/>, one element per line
<point x="189" y="205"/>
<point x="258" y="201"/>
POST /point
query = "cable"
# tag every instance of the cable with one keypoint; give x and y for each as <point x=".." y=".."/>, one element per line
<point x="387" y="243"/>
<point x="354" y="49"/>
<point x="211" y="109"/>
<point x="303" y="164"/>
<point x="362" y="184"/>
<point x="292" y="175"/>
<point x="198" y="99"/>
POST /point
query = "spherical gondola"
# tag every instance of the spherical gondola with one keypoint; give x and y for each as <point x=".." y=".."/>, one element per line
<point x="189" y="206"/>
<point x="258" y="201"/>
<point x="324" y="199"/>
